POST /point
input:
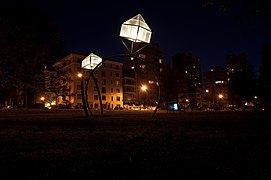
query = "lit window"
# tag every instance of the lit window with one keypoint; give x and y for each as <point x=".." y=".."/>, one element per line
<point x="132" y="67"/>
<point x="143" y="66"/>
<point x="160" y="60"/>
<point x="151" y="82"/>
<point x="186" y="72"/>
<point x="143" y="56"/>
<point x="219" y="82"/>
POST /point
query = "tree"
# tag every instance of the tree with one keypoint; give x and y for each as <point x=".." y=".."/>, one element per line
<point x="29" y="42"/>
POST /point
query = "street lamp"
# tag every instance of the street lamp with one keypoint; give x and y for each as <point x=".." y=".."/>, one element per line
<point x="90" y="64"/>
<point x="42" y="98"/>
<point x="220" y="97"/>
<point x="144" y="88"/>
<point x="186" y="104"/>
<point x="136" y="30"/>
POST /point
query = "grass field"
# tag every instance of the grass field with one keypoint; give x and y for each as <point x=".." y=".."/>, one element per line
<point x="124" y="145"/>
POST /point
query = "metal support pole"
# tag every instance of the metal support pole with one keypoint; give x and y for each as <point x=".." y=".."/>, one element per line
<point x="83" y="98"/>
<point x="99" y="93"/>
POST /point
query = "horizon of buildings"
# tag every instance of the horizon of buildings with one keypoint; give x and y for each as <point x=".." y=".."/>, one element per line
<point x="183" y="83"/>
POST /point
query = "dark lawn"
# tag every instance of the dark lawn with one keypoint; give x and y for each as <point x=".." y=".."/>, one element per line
<point x="135" y="146"/>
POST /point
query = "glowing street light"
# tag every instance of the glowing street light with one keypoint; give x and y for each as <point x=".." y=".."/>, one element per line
<point x="90" y="64"/>
<point x="42" y="98"/>
<point x="220" y="96"/>
<point x="144" y="88"/>
<point x="136" y="30"/>
<point x="80" y="75"/>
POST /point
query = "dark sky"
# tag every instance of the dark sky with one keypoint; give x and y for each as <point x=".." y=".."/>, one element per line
<point x="178" y="26"/>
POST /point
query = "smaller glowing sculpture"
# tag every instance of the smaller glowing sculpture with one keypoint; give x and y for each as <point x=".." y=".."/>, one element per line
<point x="91" y="61"/>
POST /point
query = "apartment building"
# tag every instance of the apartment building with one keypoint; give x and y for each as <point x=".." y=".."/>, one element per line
<point x="109" y="80"/>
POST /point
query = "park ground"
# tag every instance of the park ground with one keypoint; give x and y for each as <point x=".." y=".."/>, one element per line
<point x="134" y="145"/>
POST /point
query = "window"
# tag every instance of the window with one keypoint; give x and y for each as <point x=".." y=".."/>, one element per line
<point x="78" y="87"/>
<point x="79" y="96"/>
<point x="142" y="56"/>
<point x="104" y="98"/>
<point x="160" y="61"/>
<point x="103" y="90"/>
<point x="117" y="67"/>
<point x="112" y="90"/>
<point x="143" y="66"/>
<point x="117" y="75"/>
<point x="96" y="105"/>
<point x="103" y="73"/>
<point x="103" y="82"/>
<point x="117" y="90"/>
<point x="118" y="98"/>
<point x="112" y="98"/>
<point x="96" y="97"/>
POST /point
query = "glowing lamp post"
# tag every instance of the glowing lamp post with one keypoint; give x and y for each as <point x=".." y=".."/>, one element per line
<point x="90" y="64"/>
<point x="136" y="30"/>
<point x="91" y="61"/>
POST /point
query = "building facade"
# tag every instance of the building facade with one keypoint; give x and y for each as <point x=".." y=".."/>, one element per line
<point x="215" y="88"/>
<point x="109" y="79"/>
<point x="187" y="88"/>
<point x="150" y="72"/>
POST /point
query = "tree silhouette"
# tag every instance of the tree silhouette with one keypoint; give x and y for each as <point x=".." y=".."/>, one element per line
<point x="29" y="42"/>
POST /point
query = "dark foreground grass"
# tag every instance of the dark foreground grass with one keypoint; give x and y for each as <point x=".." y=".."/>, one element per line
<point x="217" y="145"/>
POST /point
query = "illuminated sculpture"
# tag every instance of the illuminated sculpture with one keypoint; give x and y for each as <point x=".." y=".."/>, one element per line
<point x="135" y="30"/>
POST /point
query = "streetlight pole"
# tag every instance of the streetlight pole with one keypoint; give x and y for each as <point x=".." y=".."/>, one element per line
<point x="80" y="75"/>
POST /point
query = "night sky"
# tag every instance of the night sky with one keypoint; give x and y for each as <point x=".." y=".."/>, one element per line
<point x="178" y="26"/>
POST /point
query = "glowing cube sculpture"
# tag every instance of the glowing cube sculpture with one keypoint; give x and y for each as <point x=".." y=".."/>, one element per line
<point x="91" y="61"/>
<point x="136" y="30"/>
